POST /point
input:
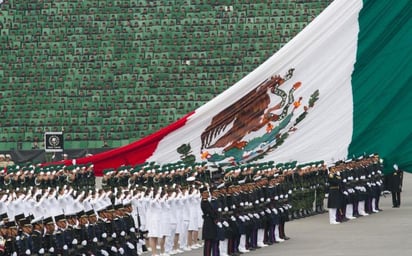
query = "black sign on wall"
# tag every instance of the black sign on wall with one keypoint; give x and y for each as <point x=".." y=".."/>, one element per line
<point x="53" y="141"/>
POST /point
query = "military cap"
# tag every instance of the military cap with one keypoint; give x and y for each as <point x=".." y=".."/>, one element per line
<point x="202" y="189"/>
<point x="81" y="214"/>
<point x="110" y="208"/>
<point x="11" y="224"/>
<point x="60" y="217"/>
<point x="90" y="212"/>
<point x="48" y="220"/>
<point x="19" y="217"/>
<point x="191" y="178"/>
<point x="4" y="216"/>
<point x="118" y="206"/>
<point x="25" y="222"/>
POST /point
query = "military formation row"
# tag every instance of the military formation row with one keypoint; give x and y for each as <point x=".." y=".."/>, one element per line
<point x="16" y="177"/>
<point x="355" y="188"/>
<point x="249" y="206"/>
<point x="64" y="221"/>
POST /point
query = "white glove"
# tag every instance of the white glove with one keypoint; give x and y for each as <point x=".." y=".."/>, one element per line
<point x="257" y="201"/>
<point x="51" y="249"/>
<point x="74" y="241"/>
<point x="247" y="217"/>
<point x="17" y="238"/>
<point x="132" y="229"/>
<point x="346" y="193"/>
<point x="65" y="247"/>
<point x="242" y="204"/>
<point x="114" y="235"/>
<point x="262" y="199"/>
<point x="41" y="251"/>
<point x="104" y="253"/>
<point x="290" y="191"/>
<point x="84" y="242"/>
<point x="219" y="209"/>
<point x="219" y="224"/>
<point x="267" y="210"/>
<point x="276" y="197"/>
<point x="14" y="254"/>
<point x="256" y="216"/>
<point x="122" y="233"/>
<point x="121" y="250"/>
<point x="275" y="211"/>
<point x="130" y="245"/>
<point x="95" y="240"/>
<point x="225" y="224"/>
<point x="104" y="235"/>
<point x="286" y="196"/>
<point x="28" y="252"/>
<point x="233" y="218"/>
<point x="113" y="249"/>
<point x="268" y="200"/>
<point x="226" y="209"/>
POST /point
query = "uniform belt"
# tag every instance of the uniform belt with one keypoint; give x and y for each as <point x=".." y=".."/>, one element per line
<point x="334" y="187"/>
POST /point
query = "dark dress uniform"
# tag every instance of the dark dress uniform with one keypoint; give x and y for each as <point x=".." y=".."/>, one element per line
<point x="49" y="241"/>
<point x="209" y="229"/>
<point x="37" y="238"/>
<point x="25" y="244"/>
<point x="10" y="246"/>
<point x="395" y="186"/>
<point x="335" y="198"/>
<point x="62" y="242"/>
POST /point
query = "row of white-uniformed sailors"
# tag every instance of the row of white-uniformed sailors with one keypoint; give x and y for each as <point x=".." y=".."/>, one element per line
<point x="172" y="219"/>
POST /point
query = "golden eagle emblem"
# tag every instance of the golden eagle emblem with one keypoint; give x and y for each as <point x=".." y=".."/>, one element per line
<point x="250" y="113"/>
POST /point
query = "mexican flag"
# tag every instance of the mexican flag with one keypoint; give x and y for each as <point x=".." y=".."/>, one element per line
<point x="340" y="89"/>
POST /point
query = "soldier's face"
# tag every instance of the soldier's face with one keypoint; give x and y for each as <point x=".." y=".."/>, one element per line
<point x="205" y="194"/>
<point x="62" y="224"/>
<point x="83" y="221"/>
<point x="129" y="209"/>
<point x="50" y="228"/>
<point x="39" y="227"/>
<point x="71" y="221"/>
<point x="13" y="231"/>
<point x="92" y="218"/>
<point x="27" y="229"/>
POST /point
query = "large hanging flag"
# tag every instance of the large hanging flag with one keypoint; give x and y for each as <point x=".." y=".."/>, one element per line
<point x="340" y="88"/>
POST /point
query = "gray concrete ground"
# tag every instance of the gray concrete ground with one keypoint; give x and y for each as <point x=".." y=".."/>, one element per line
<point x="385" y="233"/>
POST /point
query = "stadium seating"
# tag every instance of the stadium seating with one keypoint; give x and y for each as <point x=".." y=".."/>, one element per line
<point x="119" y="70"/>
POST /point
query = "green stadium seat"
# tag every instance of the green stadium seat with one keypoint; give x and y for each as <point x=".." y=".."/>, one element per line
<point x="75" y="54"/>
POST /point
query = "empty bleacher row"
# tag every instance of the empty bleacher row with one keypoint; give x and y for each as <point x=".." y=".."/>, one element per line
<point x="119" y="70"/>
